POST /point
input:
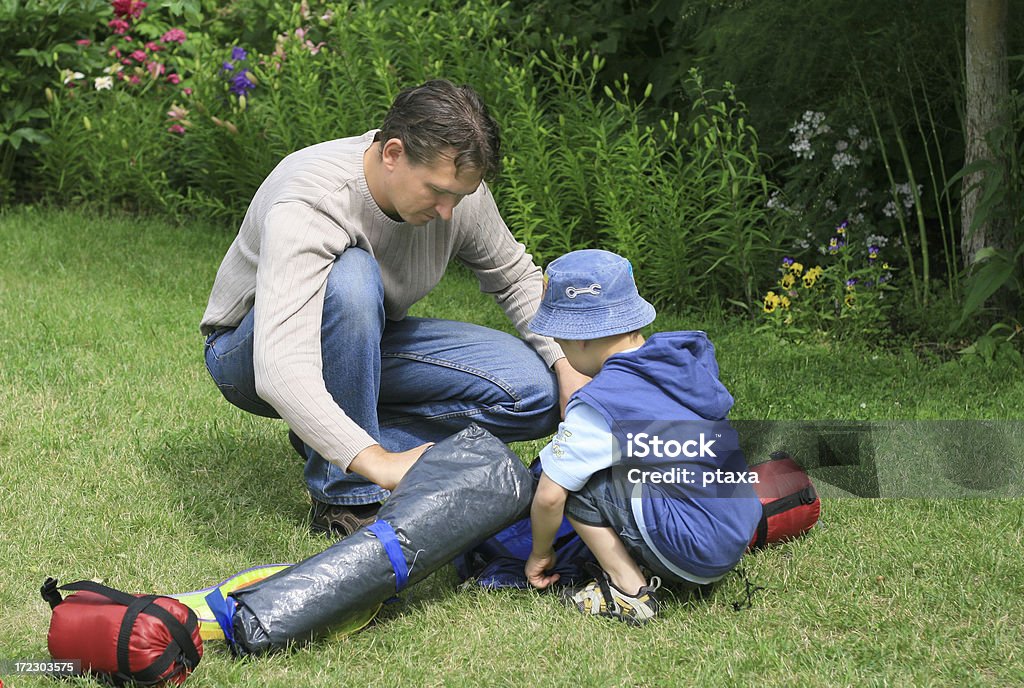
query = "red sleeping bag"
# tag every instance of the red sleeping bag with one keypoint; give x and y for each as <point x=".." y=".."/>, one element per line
<point x="790" y="503"/>
<point x="146" y="639"/>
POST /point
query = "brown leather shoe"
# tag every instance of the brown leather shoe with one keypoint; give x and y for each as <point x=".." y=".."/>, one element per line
<point x="341" y="521"/>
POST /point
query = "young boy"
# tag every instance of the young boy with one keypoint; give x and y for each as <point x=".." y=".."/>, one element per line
<point x="645" y="465"/>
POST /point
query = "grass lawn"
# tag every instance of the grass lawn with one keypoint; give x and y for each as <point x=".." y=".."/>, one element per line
<point x="120" y="461"/>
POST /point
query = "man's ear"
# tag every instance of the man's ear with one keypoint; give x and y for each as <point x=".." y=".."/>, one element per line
<point x="391" y="151"/>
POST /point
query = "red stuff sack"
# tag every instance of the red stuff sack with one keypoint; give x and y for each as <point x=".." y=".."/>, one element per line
<point x="789" y="502"/>
<point x="122" y="638"/>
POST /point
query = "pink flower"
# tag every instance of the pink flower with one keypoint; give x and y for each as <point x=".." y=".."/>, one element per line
<point x="114" y="52"/>
<point x="187" y="91"/>
<point x="314" y="49"/>
<point x="139" y="55"/>
<point x="83" y="42"/>
<point x="176" y="129"/>
<point x="155" y="69"/>
<point x="300" y="33"/>
<point x="128" y="8"/>
<point x="118" y="26"/>
<point x="134" y="80"/>
<point x="174" y="36"/>
<point x="177" y="112"/>
<point x="154" y="47"/>
<point x="129" y="39"/>
<point x="174" y="78"/>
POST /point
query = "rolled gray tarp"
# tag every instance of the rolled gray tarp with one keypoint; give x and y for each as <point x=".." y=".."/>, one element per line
<point x="460" y="492"/>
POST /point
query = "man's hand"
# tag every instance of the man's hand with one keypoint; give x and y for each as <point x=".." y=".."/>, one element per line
<point x="383" y="467"/>
<point x="569" y="381"/>
<point x="537" y="566"/>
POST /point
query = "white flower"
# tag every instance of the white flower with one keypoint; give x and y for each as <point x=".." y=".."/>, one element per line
<point x="890" y="209"/>
<point x="842" y="145"/>
<point x="775" y="201"/>
<point x="877" y="240"/>
<point x="857" y="219"/>
<point x="103" y="83"/>
<point x="841" y="160"/>
<point x="852" y="132"/>
<point x="831" y="205"/>
<point x="906" y="196"/>
<point x="70" y="76"/>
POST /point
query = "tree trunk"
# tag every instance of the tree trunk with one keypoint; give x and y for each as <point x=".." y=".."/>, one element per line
<point x="986" y="99"/>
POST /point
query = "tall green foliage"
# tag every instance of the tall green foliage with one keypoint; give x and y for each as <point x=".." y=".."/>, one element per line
<point x="684" y="198"/>
<point x="34" y="35"/>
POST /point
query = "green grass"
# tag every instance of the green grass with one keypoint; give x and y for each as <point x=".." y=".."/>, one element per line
<point x="120" y="461"/>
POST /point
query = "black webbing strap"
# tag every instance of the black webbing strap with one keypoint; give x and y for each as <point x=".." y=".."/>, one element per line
<point x="748" y="591"/>
<point x="50" y="593"/>
<point x="762" y="530"/>
<point x="806" y="495"/>
<point x="181" y="634"/>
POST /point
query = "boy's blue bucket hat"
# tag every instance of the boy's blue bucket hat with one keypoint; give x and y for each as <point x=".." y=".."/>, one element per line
<point x="590" y="294"/>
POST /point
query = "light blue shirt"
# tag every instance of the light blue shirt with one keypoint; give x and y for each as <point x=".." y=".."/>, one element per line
<point x="582" y="447"/>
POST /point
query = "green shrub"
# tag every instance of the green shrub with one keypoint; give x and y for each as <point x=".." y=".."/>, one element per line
<point x="35" y="34"/>
<point x="684" y="199"/>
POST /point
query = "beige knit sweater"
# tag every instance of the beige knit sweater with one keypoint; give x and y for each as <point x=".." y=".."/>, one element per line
<point x="313" y="206"/>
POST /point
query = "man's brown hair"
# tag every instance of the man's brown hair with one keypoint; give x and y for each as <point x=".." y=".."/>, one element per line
<point x="439" y="119"/>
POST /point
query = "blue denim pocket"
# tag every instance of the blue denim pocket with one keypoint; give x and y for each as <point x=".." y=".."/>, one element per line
<point x="230" y="365"/>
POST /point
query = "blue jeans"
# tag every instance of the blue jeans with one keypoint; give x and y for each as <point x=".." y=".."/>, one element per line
<point x="405" y="382"/>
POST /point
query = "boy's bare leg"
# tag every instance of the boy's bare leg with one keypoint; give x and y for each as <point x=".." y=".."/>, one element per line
<point x="612" y="556"/>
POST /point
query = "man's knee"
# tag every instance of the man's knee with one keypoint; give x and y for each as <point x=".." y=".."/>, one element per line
<point x="540" y="400"/>
<point x="354" y="297"/>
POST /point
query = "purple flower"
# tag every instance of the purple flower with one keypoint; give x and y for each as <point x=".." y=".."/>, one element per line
<point x="787" y="261"/>
<point x="872" y="252"/>
<point x="850" y="283"/>
<point x="227" y="67"/>
<point x="240" y="83"/>
<point x="238" y="53"/>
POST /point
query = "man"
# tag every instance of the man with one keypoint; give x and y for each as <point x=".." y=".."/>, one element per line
<point x="306" y="319"/>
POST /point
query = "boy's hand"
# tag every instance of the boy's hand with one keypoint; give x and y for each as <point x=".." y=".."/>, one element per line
<point x="538" y="565"/>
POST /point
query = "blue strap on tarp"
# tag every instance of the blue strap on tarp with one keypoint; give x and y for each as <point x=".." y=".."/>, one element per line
<point x="224" y="611"/>
<point x="393" y="548"/>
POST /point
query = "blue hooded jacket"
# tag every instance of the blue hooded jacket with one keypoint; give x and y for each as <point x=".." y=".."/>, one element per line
<point x="669" y="388"/>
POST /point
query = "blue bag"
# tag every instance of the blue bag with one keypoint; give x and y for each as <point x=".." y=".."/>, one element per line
<point x="498" y="561"/>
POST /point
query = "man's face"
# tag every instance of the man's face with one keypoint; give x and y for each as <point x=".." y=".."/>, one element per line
<point x="418" y="193"/>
